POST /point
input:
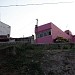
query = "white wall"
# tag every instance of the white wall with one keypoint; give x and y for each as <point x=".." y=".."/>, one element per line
<point x="4" y="29"/>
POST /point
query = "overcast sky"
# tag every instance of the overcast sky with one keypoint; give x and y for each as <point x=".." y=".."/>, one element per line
<point x="22" y="19"/>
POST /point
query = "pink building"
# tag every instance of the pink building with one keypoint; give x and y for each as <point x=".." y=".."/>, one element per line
<point x="46" y="33"/>
<point x="73" y="38"/>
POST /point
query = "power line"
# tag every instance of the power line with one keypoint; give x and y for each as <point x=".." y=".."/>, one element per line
<point x="36" y="4"/>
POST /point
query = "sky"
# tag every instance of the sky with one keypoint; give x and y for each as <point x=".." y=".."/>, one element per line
<point x="22" y="19"/>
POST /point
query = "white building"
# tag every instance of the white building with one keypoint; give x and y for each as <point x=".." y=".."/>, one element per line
<point x="4" y="29"/>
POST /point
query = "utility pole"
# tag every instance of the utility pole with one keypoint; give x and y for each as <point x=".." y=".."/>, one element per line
<point x="37" y="22"/>
<point x="36" y="29"/>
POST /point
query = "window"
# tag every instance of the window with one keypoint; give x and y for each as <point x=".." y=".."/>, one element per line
<point x="49" y="32"/>
<point x="43" y="34"/>
<point x="39" y="35"/>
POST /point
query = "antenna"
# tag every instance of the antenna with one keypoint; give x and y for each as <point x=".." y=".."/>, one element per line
<point x="66" y="26"/>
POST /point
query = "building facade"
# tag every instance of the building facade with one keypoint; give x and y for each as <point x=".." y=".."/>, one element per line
<point x="29" y="40"/>
<point x="4" y="29"/>
<point x="46" y="33"/>
<point x="4" y="32"/>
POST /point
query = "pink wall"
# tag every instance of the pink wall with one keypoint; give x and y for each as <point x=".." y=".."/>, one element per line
<point x="56" y="32"/>
<point x="44" y="40"/>
<point x="43" y="27"/>
<point x="73" y="39"/>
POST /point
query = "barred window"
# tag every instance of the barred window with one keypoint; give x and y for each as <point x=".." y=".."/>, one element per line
<point x="44" y="33"/>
